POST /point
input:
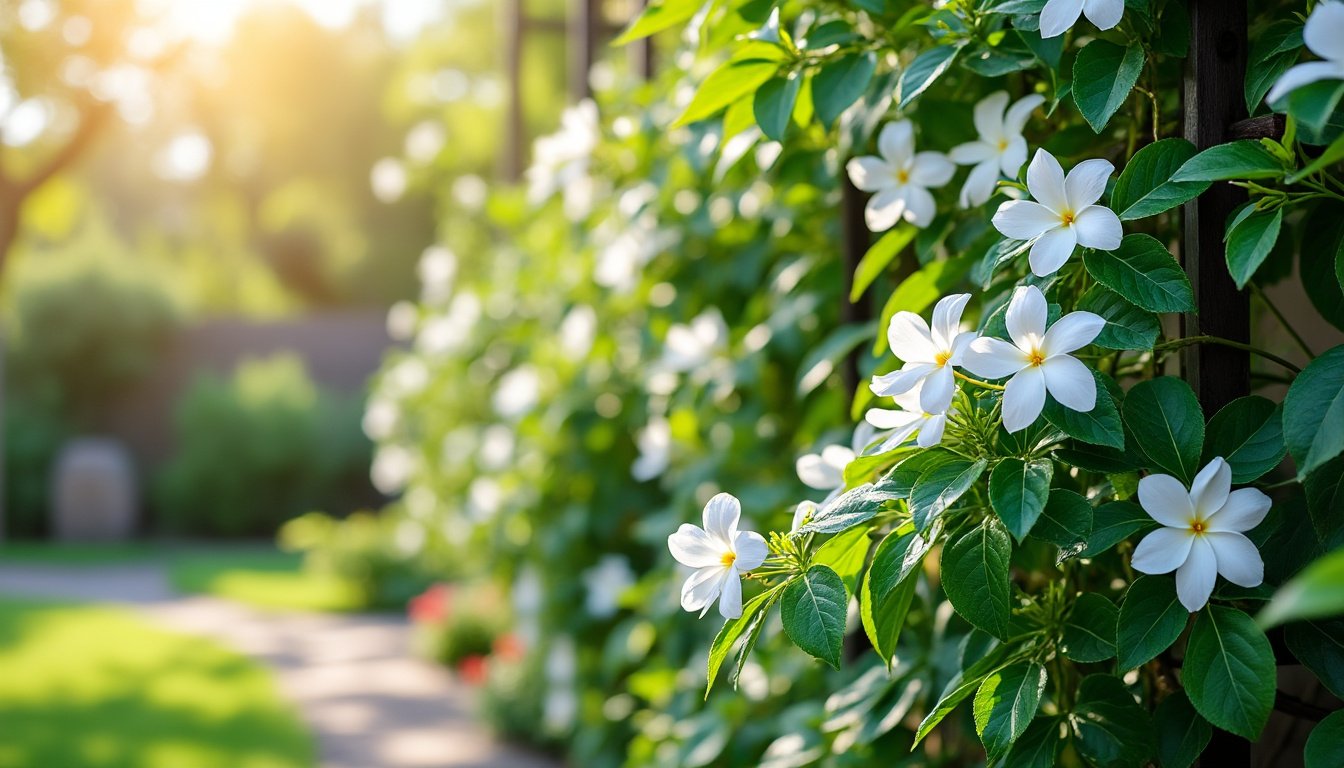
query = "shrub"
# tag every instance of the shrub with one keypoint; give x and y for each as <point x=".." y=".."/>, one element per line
<point x="257" y="449"/>
<point x="361" y="550"/>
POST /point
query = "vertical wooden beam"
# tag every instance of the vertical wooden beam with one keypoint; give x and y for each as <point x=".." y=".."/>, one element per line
<point x="1214" y="75"/>
<point x="1214" y="100"/>
<point x="581" y="45"/>
<point x="512" y="22"/>
<point x="640" y="52"/>
<point x="856" y="239"/>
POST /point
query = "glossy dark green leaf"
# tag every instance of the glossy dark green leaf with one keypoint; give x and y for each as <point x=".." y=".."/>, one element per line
<point x="845" y="553"/>
<point x="1018" y="491"/>
<point x="1143" y="272"/>
<point x="1319" y="645"/>
<point x="1248" y="433"/>
<point x="1089" y="631"/>
<point x="1145" y="187"/>
<point x="773" y="104"/>
<point x="962" y="685"/>
<point x="1325" y="745"/>
<point x="1065" y="522"/>
<point x="939" y="488"/>
<point x="1313" y="412"/>
<point x="733" y="630"/>
<point x="1127" y="326"/>
<point x="1103" y="76"/>
<point x="1312" y="594"/>
<point x="1038" y="747"/>
<point x="1168" y="425"/>
<point x="1110" y="729"/>
<point x="1229" y="671"/>
<point x="1113" y="522"/>
<point x="1249" y="242"/>
<point x="923" y="71"/>
<point x="889" y="586"/>
<point x="1245" y="159"/>
<point x="1099" y="426"/>
<point x="975" y="576"/>
<point x="840" y="83"/>
<point x="725" y="85"/>
<point x="812" y="608"/>
<point x="1151" y="618"/>
<point x="1181" y="733"/>
<point x="1005" y="704"/>
<point x="880" y="255"/>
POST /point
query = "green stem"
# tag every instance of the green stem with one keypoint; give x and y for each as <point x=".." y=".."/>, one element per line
<point x="1260" y="294"/>
<point x="977" y="382"/>
<point x="1191" y="340"/>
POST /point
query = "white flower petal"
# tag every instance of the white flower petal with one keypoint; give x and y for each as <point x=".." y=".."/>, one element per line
<point x="1058" y="16"/>
<point x="1051" y="251"/>
<point x="1324" y="33"/>
<point x="1070" y="383"/>
<point x="751" y="550"/>
<point x="1023" y="399"/>
<point x="935" y="395"/>
<point x="1195" y="579"/>
<point x="837" y="456"/>
<point x="1166" y="500"/>
<point x="910" y="338"/>
<point x="884" y="418"/>
<point x="1210" y="490"/>
<point x="1026" y="316"/>
<point x="988" y="115"/>
<point x="919" y="206"/>
<point x="1045" y="179"/>
<point x="870" y="174"/>
<point x="1244" y="509"/>
<point x="1304" y="74"/>
<point x="931" y="432"/>
<point x="721" y="516"/>
<point x="802" y="512"/>
<point x="701" y="588"/>
<point x="816" y="473"/>
<point x="692" y="547"/>
<point x="1098" y="227"/>
<point x="931" y="170"/>
<point x="946" y="323"/>
<point x="730" y="601"/>
<point x="885" y="208"/>
<point x="993" y="358"/>
<point x="1017" y="115"/>
<point x="896" y="143"/>
<point x="1072" y="332"/>
<point x="1104" y="13"/>
<point x="904" y="380"/>
<point x="972" y="152"/>
<point x="980" y="184"/>
<point x="1238" y="560"/>
<point x="1025" y="220"/>
<point x="1086" y="182"/>
<point x="1162" y="551"/>
<point x="959" y="345"/>
<point x="1013" y="156"/>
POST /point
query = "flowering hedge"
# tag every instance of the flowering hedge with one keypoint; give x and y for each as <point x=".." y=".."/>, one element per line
<point x="1033" y="533"/>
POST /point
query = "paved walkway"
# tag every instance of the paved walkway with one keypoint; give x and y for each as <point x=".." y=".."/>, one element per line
<point x="368" y="701"/>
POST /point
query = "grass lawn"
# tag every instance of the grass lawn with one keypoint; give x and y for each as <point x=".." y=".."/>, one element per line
<point x="95" y="687"/>
<point x="264" y="577"/>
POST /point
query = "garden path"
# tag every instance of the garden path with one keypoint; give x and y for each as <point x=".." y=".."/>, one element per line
<point x="368" y="701"/>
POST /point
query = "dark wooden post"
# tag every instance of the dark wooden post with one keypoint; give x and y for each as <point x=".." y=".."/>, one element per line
<point x="1214" y="101"/>
<point x="511" y="22"/>
<point x="640" y="52"/>
<point x="581" y="45"/>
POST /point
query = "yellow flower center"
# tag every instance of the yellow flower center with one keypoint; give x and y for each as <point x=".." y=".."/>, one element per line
<point x="1068" y="217"/>
<point x="1003" y="144"/>
<point x="903" y="176"/>
<point x="728" y="559"/>
<point x="941" y="358"/>
<point x="1036" y="357"/>
<point x="1197" y="527"/>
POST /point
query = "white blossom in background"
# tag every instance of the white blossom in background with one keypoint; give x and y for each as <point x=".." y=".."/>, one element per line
<point x="497" y="441"/>
<point x="911" y="419"/>
<point x="436" y="269"/>
<point x="929" y="353"/>
<point x="388" y="180"/>
<point x="1203" y="532"/>
<point x="1059" y="16"/>
<point x="824" y="471"/>
<point x="1000" y="149"/>
<point x="409" y="376"/>
<point x="900" y="179"/>
<point x="622" y="258"/>
<point x="655" y="450"/>
<point x="380" y="418"/>
<point x="1063" y="213"/>
<point x="527" y="597"/>
<point x="605" y="583"/>
<point x="441" y="334"/>
<point x="578" y="330"/>
<point x="518" y="392"/>
<point x="719" y="553"/>
<point x="695" y="345"/>
<point x="560" y="161"/>
<point x="484" y="499"/>
<point x="1038" y="360"/>
<point x="1324" y="36"/>
<point x="561" y="705"/>
<point x="391" y="468"/>
<point x="402" y="319"/>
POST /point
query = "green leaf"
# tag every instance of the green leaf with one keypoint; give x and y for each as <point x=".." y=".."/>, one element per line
<point x="1005" y="704"/>
<point x="1229" y="671"/>
<point x="939" y="488"/>
<point x="1089" y="631"/>
<point x="1273" y="50"/>
<point x="1145" y="187"/>
<point x="1249" y="242"/>
<point x="1313" y="412"/>
<point x="845" y="553"/>
<point x="1151" y="618"/>
<point x="822" y="359"/>
<point x="1127" y="326"/>
<point x="1315" y="593"/>
<point x="1321" y="263"/>
<point x="813" y="611"/>
<point x="1065" y="522"/>
<point x="919" y="291"/>
<point x="963" y="684"/>
<point x="848" y="510"/>
<point x="1164" y="417"/>
<point x="926" y="68"/>
<point x="1103" y="75"/>
<point x="1313" y="105"/>
<point x="1099" y="426"/>
<point x="1248" y="433"/>
<point x="1144" y="273"/>
<point x="1181" y="733"/>
<point x="975" y="577"/>
<point x="1319" y="645"/>
<point x="733" y="629"/>
<point x="657" y="17"/>
<point x="1018" y="491"/>
<point x="1326" y="742"/>
<point x="1244" y="159"/>
<point x="1110" y="729"/>
<point x="1112" y="523"/>
<point x="1332" y="154"/>
<point x="903" y="477"/>
<point x="1325" y="498"/>
<point x="725" y="85"/>
<point x="1038" y="747"/>
<point x="889" y="586"/>
<point x="840" y="83"/>
<point x="879" y="256"/>
<point x="773" y="105"/>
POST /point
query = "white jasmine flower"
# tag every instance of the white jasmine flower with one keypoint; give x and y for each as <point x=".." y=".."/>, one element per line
<point x="1203" y="532"/>
<point x="402" y="319"/>
<point x="655" y="450"/>
<point x="380" y="418"/>
<point x="929" y="353"/>
<point x="518" y="392"/>
<point x="560" y="161"/>
<point x="437" y="269"/>
<point x="691" y="346"/>
<point x="719" y="553"/>
<point x="605" y="583"/>
<point x="911" y="419"/>
<point x="900" y="178"/>
<point x="805" y="511"/>
<point x="1038" y="359"/>
<point x="1001" y="149"/>
<point x="1324" y="36"/>
<point x="1063" y="214"/>
<point x="1059" y="16"/>
<point x="824" y="471"/>
<point x="391" y="468"/>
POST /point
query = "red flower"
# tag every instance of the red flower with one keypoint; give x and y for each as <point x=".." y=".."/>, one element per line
<point x="431" y="606"/>
<point x="473" y="670"/>
<point x="509" y="647"/>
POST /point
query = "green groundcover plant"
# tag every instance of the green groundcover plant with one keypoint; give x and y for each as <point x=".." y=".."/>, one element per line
<point x="1016" y="537"/>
